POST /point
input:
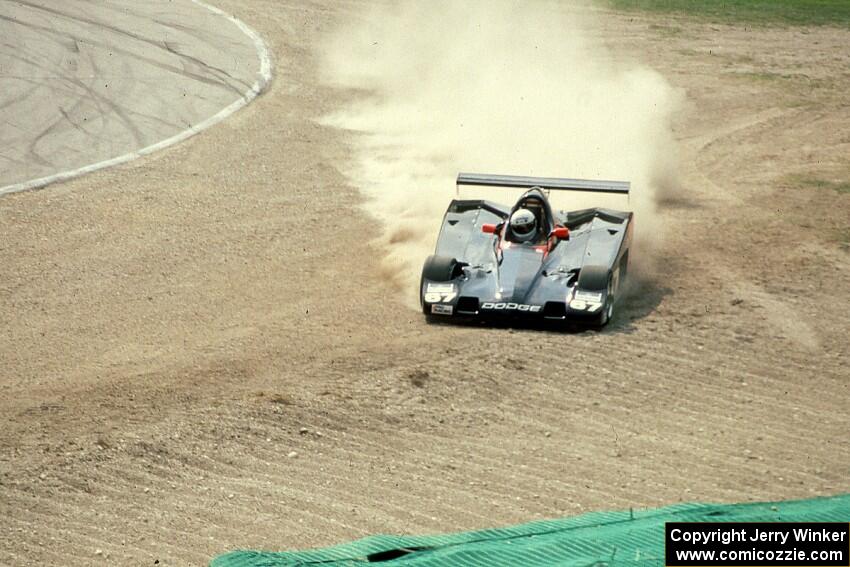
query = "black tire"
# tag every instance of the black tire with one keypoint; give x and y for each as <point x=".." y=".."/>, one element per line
<point x="437" y="269"/>
<point x="594" y="278"/>
<point x="599" y="278"/>
<point x="624" y="269"/>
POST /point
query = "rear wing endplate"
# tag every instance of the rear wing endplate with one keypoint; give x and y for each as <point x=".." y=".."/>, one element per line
<point x="547" y="183"/>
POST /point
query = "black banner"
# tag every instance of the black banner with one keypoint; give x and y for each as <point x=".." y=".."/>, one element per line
<point x="757" y="544"/>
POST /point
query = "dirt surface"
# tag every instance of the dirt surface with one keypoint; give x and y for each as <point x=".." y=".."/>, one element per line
<point x="188" y="368"/>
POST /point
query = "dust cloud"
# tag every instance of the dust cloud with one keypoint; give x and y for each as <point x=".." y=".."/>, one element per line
<point x="524" y="88"/>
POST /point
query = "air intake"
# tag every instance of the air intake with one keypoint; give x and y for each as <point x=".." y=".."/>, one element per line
<point x="555" y="310"/>
<point x="467" y="305"/>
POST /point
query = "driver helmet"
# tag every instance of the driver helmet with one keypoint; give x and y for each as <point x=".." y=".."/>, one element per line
<point x="523" y="225"/>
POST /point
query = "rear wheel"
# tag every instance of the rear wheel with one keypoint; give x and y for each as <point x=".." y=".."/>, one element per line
<point x="624" y="269"/>
<point x="608" y="308"/>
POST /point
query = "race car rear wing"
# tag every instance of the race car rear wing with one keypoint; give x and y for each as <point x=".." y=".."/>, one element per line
<point x="547" y="183"/>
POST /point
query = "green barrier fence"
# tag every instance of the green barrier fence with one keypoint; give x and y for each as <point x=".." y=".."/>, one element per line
<point x="600" y="539"/>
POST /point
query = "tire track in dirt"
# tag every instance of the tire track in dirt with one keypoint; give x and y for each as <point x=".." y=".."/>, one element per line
<point x="370" y="445"/>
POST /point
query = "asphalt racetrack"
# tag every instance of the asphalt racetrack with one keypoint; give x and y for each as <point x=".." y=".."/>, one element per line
<point x="90" y="82"/>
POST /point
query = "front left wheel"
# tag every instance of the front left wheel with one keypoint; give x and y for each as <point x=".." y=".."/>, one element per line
<point x="437" y="269"/>
<point x="440" y="268"/>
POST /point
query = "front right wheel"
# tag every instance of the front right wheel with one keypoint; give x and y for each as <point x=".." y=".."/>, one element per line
<point x="599" y="278"/>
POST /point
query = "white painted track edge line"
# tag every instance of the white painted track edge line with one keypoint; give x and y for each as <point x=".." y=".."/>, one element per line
<point x="263" y="80"/>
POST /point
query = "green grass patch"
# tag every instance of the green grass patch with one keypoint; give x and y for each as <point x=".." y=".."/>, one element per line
<point x="669" y="31"/>
<point x="761" y="75"/>
<point x="789" y="12"/>
<point x="842" y="187"/>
